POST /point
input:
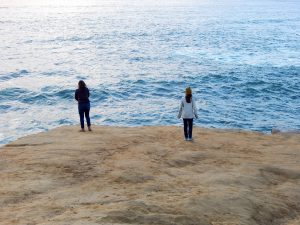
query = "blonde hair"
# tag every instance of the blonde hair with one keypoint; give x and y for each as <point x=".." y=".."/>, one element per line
<point x="188" y="91"/>
<point x="188" y="94"/>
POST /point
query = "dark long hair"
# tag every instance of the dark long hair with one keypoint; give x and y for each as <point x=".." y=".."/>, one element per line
<point x="81" y="85"/>
<point x="188" y="98"/>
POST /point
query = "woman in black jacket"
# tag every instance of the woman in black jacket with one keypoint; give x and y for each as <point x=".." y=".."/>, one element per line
<point x="82" y="95"/>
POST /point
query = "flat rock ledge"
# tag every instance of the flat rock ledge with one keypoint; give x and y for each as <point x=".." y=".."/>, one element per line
<point x="150" y="175"/>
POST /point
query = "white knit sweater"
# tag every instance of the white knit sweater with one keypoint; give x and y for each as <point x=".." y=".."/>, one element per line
<point x="188" y="110"/>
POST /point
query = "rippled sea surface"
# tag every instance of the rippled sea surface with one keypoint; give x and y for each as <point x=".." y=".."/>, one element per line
<point x="241" y="58"/>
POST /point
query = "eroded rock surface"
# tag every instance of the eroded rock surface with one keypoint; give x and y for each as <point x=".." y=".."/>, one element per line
<point x="150" y="175"/>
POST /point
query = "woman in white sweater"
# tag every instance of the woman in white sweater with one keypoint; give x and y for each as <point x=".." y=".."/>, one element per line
<point x="188" y="111"/>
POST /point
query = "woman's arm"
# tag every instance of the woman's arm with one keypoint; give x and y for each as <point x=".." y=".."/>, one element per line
<point x="180" y="110"/>
<point x="76" y="95"/>
<point x="195" y="109"/>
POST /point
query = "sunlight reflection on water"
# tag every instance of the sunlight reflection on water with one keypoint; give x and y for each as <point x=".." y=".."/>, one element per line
<point x="241" y="59"/>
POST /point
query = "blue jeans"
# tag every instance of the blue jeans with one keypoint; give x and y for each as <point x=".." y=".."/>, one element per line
<point x="188" y="128"/>
<point x="84" y="109"/>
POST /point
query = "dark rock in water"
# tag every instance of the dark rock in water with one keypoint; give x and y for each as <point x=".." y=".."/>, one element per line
<point x="276" y="131"/>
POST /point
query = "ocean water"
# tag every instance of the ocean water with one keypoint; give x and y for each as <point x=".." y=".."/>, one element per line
<point x="241" y="58"/>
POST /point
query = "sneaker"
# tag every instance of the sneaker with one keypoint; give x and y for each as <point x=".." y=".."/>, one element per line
<point x="82" y="130"/>
<point x="186" y="139"/>
<point x="90" y="129"/>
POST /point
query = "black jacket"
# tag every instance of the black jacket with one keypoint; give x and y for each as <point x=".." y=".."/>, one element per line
<point x="82" y="95"/>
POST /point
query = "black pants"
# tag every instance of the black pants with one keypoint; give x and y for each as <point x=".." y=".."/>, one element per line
<point x="188" y="128"/>
<point x="84" y="110"/>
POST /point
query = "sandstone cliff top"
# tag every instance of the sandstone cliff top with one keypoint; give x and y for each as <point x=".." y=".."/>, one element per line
<point x="150" y="175"/>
